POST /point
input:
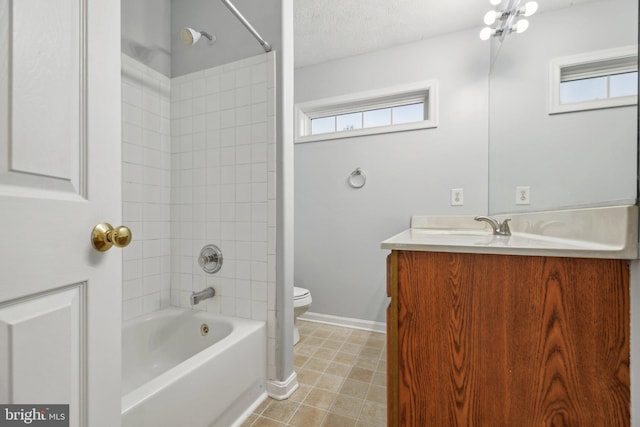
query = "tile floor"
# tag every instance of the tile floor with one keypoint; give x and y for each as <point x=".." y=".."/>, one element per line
<point x="342" y="376"/>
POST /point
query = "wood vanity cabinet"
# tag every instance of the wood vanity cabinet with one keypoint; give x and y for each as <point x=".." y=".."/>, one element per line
<point x="504" y="340"/>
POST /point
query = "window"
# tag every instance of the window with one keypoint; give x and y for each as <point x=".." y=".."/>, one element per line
<point x="595" y="80"/>
<point x="389" y="110"/>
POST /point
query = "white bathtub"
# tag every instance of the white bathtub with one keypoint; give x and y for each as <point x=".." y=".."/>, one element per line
<point x="174" y="376"/>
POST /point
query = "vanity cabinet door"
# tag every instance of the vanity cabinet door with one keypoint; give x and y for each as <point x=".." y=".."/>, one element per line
<point x="498" y="340"/>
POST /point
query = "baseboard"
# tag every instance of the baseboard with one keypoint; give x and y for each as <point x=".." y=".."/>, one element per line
<point x="349" y="322"/>
<point x="247" y="413"/>
<point x="281" y="390"/>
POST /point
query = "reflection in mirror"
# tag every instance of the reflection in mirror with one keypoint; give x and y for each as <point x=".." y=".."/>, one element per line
<point x="570" y="159"/>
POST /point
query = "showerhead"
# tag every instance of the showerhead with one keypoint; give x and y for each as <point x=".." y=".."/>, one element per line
<point x="190" y="36"/>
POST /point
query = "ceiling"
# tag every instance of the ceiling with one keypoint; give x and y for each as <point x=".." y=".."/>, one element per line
<point x="325" y="30"/>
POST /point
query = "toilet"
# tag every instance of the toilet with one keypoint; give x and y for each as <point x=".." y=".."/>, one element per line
<point x="301" y="303"/>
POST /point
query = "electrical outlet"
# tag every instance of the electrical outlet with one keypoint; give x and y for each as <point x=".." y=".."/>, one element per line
<point x="523" y="195"/>
<point x="457" y="197"/>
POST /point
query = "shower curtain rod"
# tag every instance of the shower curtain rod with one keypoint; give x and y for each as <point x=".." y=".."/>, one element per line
<point x="266" y="46"/>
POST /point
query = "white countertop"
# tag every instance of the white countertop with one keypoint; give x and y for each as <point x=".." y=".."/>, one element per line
<point x="610" y="232"/>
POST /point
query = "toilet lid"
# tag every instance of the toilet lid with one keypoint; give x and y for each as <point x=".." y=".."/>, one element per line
<point x="300" y="292"/>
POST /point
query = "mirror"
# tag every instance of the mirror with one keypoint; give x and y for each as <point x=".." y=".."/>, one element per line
<point x="572" y="159"/>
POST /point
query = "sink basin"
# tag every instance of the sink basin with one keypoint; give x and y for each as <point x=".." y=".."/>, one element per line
<point x="587" y="233"/>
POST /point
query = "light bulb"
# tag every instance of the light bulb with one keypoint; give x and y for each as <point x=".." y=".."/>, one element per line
<point x="486" y="33"/>
<point x="521" y="26"/>
<point x="490" y="17"/>
<point x="495" y="2"/>
<point x="530" y="8"/>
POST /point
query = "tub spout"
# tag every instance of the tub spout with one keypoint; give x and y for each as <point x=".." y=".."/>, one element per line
<point x="196" y="297"/>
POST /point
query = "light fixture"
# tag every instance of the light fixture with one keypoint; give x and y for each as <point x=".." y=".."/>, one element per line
<point x="486" y="33"/>
<point x="520" y="26"/>
<point x="491" y="17"/>
<point x="507" y="20"/>
<point x="529" y="8"/>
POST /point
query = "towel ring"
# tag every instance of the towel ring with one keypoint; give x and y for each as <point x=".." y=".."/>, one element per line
<point x="357" y="178"/>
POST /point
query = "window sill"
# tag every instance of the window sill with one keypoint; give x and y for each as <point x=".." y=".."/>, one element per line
<point x="557" y="108"/>
<point x="425" y="124"/>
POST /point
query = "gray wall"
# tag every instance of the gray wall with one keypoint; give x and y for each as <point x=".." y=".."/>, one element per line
<point x="146" y="34"/>
<point x="233" y="41"/>
<point x="338" y="229"/>
<point x="151" y="32"/>
<point x="573" y="159"/>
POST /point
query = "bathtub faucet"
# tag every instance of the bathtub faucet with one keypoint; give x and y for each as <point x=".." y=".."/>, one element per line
<point x="196" y="297"/>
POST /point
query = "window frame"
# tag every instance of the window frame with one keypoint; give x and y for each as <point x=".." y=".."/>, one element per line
<point x="557" y="65"/>
<point x="425" y="91"/>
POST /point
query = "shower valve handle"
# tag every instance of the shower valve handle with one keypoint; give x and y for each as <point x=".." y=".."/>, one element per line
<point x="210" y="259"/>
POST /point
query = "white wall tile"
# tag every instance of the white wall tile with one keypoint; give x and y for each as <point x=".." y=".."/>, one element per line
<point x="243" y="289"/>
<point x="132" y="269"/>
<point x="199" y="124"/>
<point x="259" y="192"/>
<point x="243" y="154"/>
<point x="243" y="77"/>
<point x="199" y="87"/>
<point x="228" y="193"/>
<point x="213" y="120"/>
<point x="243" y="251"/>
<point x="131" y="114"/>
<point x="186" y="125"/>
<point x="259" y="93"/>
<point x="228" y="118"/>
<point x="243" y="115"/>
<point x="243" y="135"/>
<point x="227" y="137"/>
<point x="134" y="250"/>
<point x="259" y="172"/>
<point x="145" y="184"/>
<point x="131" y="93"/>
<point x="198" y="162"/>
<point x="185" y="91"/>
<point x="258" y="291"/>
<point x="131" y="289"/>
<point x="243" y="96"/>
<point x="243" y="308"/>
<point x="227" y="81"/>
<point x="243" y="193"/>
<point x="258" y="153"/>
<point x="259" y="251"/>
<point x="131" y="133"/>
<point x="228" y="306"/>
<point x="212" y="84"/>
<point x="243" y="212"/>
<point x="259" y="310"/>
<point x="259" y="73"/>
<point x="243" y="231"/>
<point x="131" y="308"/>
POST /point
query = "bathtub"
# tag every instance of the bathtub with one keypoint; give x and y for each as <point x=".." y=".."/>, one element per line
<point x="185" y="367"/>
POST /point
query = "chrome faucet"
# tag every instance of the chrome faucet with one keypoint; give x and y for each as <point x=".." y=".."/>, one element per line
<point x="196" y="297"/>
<point x="499" y="228"/>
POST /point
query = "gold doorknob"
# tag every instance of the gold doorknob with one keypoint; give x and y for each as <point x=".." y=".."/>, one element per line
<point x="103" y="236"/>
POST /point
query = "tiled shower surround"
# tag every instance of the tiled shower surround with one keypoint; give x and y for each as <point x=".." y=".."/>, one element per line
<point x="221" y="181"/>
<point x="146" y="188"/>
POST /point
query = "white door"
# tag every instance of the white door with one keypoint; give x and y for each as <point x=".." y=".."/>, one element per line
<point x="60" y="300"/>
